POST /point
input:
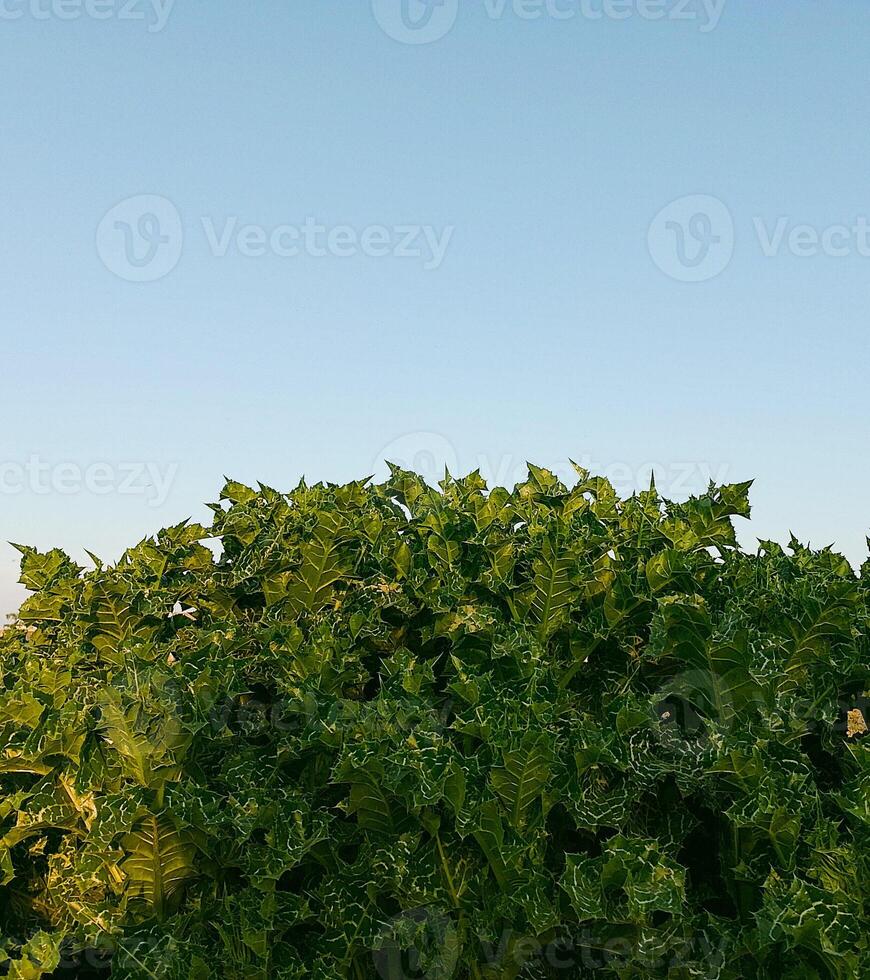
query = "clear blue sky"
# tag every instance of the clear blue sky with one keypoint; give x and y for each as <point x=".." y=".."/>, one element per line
<point x="561" y="320"/>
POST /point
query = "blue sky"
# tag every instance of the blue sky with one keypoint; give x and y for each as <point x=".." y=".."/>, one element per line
<point x="276" y="238"/>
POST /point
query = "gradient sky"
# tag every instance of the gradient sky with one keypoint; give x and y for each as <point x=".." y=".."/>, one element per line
<point x="562" y="320"/>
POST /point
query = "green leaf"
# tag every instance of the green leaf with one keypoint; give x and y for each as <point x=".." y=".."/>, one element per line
<point x="322" y="566"/>
<point x="159" y="864"/>
<point x="372" y="809"/>
<point x="523" y="776"/>
<point x="552" y="591"/>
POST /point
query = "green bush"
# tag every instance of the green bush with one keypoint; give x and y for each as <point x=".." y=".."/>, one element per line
<point x="398" y="732"/>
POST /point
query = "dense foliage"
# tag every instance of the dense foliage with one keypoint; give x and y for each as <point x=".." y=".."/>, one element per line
<point x="401" y="732"/>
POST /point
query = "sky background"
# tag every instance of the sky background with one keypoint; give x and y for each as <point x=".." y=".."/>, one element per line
<point x="576" y="312"/>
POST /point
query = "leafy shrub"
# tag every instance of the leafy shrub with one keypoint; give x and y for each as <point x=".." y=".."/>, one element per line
<point x="400" y="732"/>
